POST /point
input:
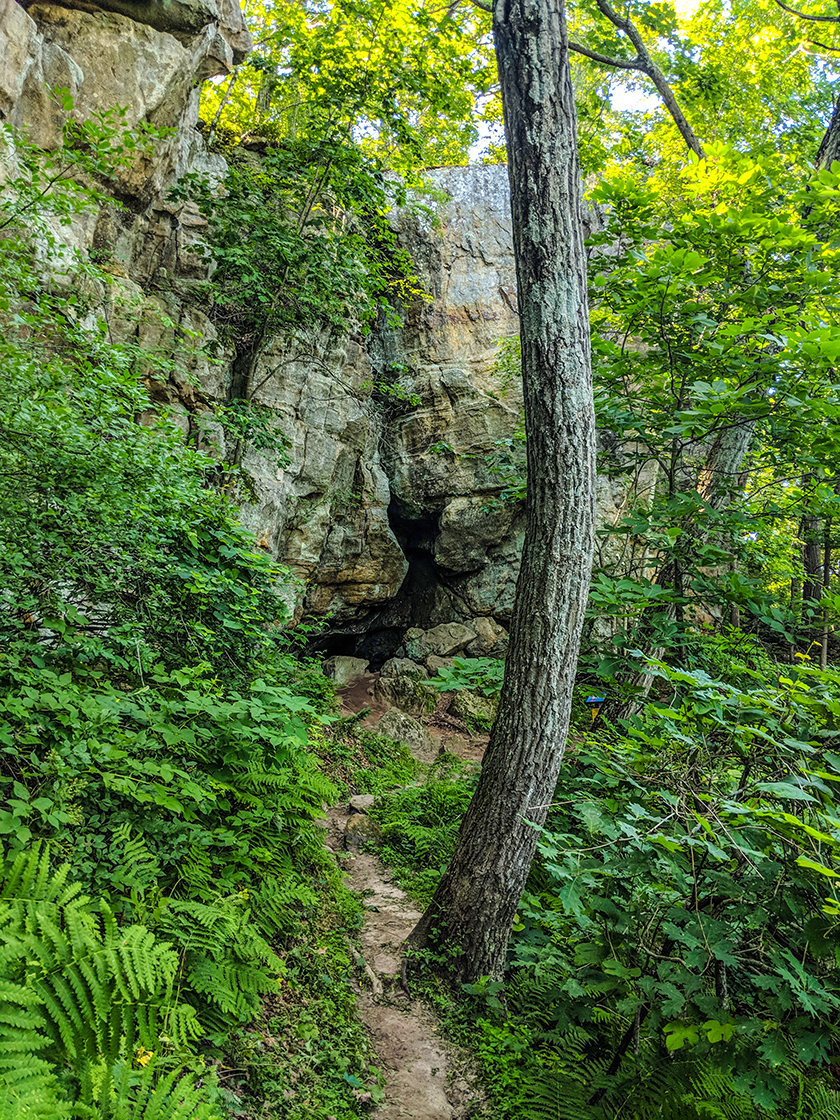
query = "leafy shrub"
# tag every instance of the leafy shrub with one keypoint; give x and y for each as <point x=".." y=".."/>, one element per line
<point x="153" y="726"/>
<point x="478" y="674"/>
<point x="684" y="896"/>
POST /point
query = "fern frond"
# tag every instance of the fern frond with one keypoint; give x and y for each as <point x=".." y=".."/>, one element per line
<point x="138" y="868"/>
<point x="197" y="872"/>
<point x="125" y="1093"/>
<point x="277" y="905"/>
<point x="82" y="987"/>
<point x="233" y="986"/>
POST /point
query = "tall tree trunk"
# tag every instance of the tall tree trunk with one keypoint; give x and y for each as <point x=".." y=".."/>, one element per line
<point x="795" y="589"/>
<point x="826" y="584"/>
<point x="810" y="533"/>
<point x="473" y="907"/>
<point x="829" y="149"/>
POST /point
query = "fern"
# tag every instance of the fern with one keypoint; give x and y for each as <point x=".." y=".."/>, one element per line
<point x="76" y="990"/>
<point x="277" y="905"/>
<point x="138" y="868"/>
<point x="227" y="964"/>
<point x="197" y="872"/>
<point x="125" y="1093"/>
<point x="557" y="1097"/>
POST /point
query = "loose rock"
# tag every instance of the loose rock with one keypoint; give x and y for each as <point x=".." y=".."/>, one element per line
<point x="491" y="639"/>
<point x="403" y="667"/>
<point x="397" y="725"/>
<point x="361" y="829"/>
<point x="406" y="694"/>
<point x="344" y="670"/>
<point x="475" y="710"/>
<point x="442" y="641"/>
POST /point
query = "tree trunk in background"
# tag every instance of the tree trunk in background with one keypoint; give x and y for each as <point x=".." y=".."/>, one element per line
<point x="810" y="533"/>
<point x="826" y="584"/>
<point x="474" y="905"/>
<point x="829" y="149"/>
<point x="794" y="600"/>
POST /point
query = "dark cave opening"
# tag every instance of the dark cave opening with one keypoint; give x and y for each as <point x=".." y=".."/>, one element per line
<point x="419" y="602"/>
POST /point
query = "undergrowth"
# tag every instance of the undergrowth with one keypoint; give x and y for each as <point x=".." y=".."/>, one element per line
<point x="674" y="952"/>
<point x="420" y="826"/>
<point x="358" y="760"/>
<point x="166" y="905"/>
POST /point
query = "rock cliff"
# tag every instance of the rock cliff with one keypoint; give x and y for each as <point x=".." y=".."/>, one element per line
<point x="388" y="512"/>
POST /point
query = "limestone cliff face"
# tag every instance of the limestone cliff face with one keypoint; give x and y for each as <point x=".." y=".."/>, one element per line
<point x="387" y="513"/>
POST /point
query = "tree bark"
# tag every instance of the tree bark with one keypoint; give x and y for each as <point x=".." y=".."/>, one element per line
<point x="473" y="908"/>
<point x="826" y="587"/>
<point x="829" y="149"/>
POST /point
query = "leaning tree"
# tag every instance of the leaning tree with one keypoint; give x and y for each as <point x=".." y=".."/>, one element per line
<point x="474" y="905"/>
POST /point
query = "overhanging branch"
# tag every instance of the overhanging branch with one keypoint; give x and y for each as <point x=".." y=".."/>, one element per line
<point x="605" y="60"/>
<point x="804" y="15"/>
<point x="644" y="64"/>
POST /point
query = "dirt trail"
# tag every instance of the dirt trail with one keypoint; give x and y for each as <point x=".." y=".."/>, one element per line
<point x="427" y="1079"/>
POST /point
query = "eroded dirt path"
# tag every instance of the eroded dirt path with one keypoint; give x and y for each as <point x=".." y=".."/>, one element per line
<point x="427" y="1078"/>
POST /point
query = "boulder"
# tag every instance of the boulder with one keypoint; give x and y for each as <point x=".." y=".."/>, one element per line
<point x="491" y="639"/>
<point x="404" y="729"/>
<point x="361" y="829"/>
<point x="361" y="803"/>
<point x="344" y="670"/>
<point x="441" y="641"/>
<point x="406" y="694"/>
<point x="476" y="711"/>
<point x="434" y="663"/>
<point x="403" y="667"/>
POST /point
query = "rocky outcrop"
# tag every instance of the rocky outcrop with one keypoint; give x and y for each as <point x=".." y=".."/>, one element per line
<point x="145" y="58"/>
<point x="388" y="512"/>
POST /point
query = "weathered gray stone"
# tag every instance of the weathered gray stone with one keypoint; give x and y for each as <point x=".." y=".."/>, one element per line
<point x="434" y="663"/>
<point x="477" y="711"/>
<point x="18" y="52"/>
<point x="361" y="803"/>
<point x="491" y="639"/>
<point x="344" y="670"/>
<point x="441" y="641"/>
<point x="403" y="667"/>
<point x="406" y="694"/>
<point x="360" y="831"/>
<point x="402" y="727"/>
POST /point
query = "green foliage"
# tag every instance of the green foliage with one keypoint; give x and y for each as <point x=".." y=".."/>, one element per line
<point x="686" y="880"/>
<point x="509" y="461"/>
<point x="401" y="80"/>
<point x="715" y="351"/>
<point x="363" y="761"/>
<point x="153" y="726"/>
<point x="298" y="239"/>
<point x="77" y="990"/>
<point x="420" y="826"/>
<point x="255" y="425"/>
<point x="308" y="1057"/>
<point x="478" y="674"/>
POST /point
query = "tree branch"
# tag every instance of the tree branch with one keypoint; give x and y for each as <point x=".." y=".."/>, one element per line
<point x="605" y="60"/>
<point x="802" y="15"/>
<point x="645" y="64"/>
